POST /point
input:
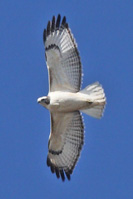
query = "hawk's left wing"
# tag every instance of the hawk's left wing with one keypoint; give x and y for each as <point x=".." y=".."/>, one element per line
<point x="65" y="142"/>
<point x="62" y="57"/>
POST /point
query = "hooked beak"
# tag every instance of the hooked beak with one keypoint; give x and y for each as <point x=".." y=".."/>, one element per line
<point x="39" y="100"/>
<point x="43" y="100"/>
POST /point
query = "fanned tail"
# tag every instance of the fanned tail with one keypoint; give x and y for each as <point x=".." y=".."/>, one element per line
<point x="95" y="95"/>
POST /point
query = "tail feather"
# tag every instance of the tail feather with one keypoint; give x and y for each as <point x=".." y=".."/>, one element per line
<point x="96" y="95"/>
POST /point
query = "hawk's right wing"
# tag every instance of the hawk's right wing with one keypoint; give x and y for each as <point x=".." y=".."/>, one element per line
<point x="65" y="142"/>
<point x="62" y="57"/>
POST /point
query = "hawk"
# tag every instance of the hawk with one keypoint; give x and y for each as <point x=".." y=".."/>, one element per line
<point x="65" y="99"/>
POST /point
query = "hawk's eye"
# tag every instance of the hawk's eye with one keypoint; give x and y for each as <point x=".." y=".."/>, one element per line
<point x="47" y="100"/>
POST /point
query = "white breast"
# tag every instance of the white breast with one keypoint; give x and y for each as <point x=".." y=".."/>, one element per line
<point x="66" y="101"/>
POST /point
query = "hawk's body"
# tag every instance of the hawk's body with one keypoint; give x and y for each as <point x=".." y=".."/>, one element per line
<point x="68" y="102"/>
<point x="65" y="100"/>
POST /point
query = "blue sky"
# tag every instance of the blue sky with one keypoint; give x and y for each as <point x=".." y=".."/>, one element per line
<point x="104" y="33"/>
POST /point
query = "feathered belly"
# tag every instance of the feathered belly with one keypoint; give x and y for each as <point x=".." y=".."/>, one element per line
<point x="66" y="101"/>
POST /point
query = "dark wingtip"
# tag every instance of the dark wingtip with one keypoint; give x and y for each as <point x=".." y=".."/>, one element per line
<point x="53" y="24"/>
<point x="48" y="28"/>
<point x="57" y="172"/>
<point x="58" y="21"/>
<point x="68" y="175"/>
<point x="63" y="21"/>
<point x="48" y="162"/>
<point x="62" y="175"/>
<point x="52" y="169"/>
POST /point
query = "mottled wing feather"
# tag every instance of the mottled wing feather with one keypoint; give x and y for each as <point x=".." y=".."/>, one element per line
<point x="62" y="57"/>
<point x="65" y="143"/>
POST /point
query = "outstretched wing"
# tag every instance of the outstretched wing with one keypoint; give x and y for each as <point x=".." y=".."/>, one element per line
<point x="62" y="57"/>
<point x="65" y="143"/>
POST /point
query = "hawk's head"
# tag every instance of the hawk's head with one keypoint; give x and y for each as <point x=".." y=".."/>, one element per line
<point x="44" y="101"/>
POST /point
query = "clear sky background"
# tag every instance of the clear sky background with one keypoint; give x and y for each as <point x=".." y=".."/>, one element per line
<point x="104" y="32"/>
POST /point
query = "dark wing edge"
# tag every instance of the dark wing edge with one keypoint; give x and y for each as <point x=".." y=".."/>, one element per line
<point x="54" y="25"/>
<point x="75" y="138"/>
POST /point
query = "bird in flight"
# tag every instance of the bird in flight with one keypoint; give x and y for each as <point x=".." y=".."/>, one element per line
<point x="65" y="99"/>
